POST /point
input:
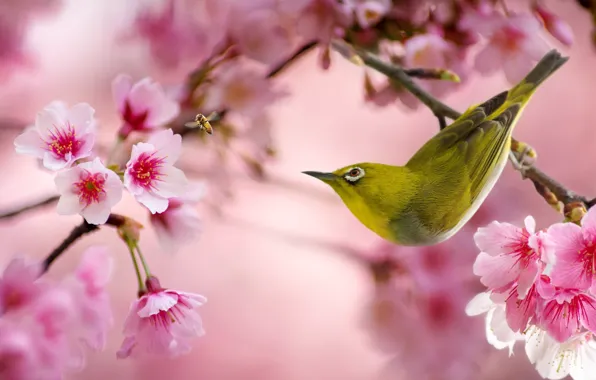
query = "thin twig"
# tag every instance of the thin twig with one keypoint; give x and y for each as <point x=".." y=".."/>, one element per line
<point x="398" y="74"/>
<point x="79" y="231"/>
<point x="441" y="110"/>
<point x="32" y="206"/>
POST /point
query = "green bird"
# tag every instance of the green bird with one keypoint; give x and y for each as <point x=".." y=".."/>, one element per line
<point x="441" y="187"/>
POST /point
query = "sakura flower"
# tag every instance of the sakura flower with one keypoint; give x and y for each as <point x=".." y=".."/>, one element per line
<point x="17" y="284"/>
<point x="180" y="33"/>
<point x="515" y="44"/>
<point x="575" y="248"/>
<point x="369" y="12"/>
<point x="61" y="135"/>
<point x="498" y="332"/>
<point x="521" y="310"/>
<point x="18" y="357"/>
<point x="262" y="35"/>
<point x="555" y="25"/>
<point x="88" y="289"/>
<point x="432" y="51"/>
<point x="180" y="222"/>
<point x="89" y="189"/>
<point x="150" y="174"/>
<point x="240" y="89"/>
<point x="162" y="322"/>
<point x="566" y="312"/>
<point x="143" y="106"/>
<point x="554" y="360"/>
<point x="321" y="19"/>
<point x="511" y="254"/>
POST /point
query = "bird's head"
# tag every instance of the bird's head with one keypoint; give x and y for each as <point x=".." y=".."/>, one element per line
<point x="363" y="185"/>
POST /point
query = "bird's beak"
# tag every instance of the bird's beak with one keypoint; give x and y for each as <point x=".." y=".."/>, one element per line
<point x="325" y="177"/>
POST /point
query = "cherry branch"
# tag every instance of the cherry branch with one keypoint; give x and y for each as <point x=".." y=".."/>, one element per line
<point x="550" y="189"/>
<point x="274" y="72"/>
<point x="29" y="207"/>
<point x="79" y="231"/>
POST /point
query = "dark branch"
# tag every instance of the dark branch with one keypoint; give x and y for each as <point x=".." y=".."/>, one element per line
<point x="79" y="231"/>
<point x="440" y="110"/>
<point x="20" y="210"/>
<point x="285" y="64"/>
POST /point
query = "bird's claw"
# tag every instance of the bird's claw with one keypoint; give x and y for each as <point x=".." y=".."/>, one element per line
<point x="523" y="160"/>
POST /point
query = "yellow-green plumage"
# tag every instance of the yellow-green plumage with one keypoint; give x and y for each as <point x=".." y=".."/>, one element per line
<point x="441" y="187"/>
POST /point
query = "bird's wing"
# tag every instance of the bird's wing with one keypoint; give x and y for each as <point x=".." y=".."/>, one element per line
<point x="480" y="135"/>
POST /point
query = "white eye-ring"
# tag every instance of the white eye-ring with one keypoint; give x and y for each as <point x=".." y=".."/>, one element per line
<point x="354" y="174"/>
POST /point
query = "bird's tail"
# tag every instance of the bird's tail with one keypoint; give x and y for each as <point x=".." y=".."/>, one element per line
<point x="550" y="63"/>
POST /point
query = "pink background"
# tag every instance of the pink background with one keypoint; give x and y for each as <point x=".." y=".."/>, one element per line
<point x="283" y="303"/>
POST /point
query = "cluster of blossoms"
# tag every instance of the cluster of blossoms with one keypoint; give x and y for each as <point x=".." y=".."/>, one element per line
<point x="541" y="290"/>
<point x="416" y="314"/>
<point x="240" y="45"/>
<point x="161" y="321"/>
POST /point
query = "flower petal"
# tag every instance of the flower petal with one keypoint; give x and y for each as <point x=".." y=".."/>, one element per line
<point x="121" y="86"/>
<point x="29" y="142"/>
<point x="157" y="302"/>
<point x="68" y="204"/>
<point x="496" y="237"/>
<point x="496" y="271"/>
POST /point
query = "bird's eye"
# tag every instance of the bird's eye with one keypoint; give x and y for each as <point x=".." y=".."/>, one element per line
<point x="354" y="174"/>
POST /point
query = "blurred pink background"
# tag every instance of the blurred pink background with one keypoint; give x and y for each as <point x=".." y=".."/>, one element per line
<point x="284" y="303"/>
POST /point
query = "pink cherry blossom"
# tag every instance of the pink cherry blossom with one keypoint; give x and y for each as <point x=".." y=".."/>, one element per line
<point x="61" y="135"/>
<point x="18" y="287"/>
<point x="240" y="88"/>
<point x="18" y="354"/>
<point x="432" y="51"/>
<point x="555" y="360"/>
<point x="88" y="289"/>
<point x="89" y="189"/>
<point x="555" y="25"/>
<point x="321" y="20"/>
<point x="162" y="322"/>
<point x="180" y="222"/>
<point x="369" y="12"/>
<point x="150" y="174"/>
<point x="262" y="35"/>
<point x="575" y="248"/>
<point x="143" y="106"/>
<point x="180" y="33"/>
<point x="514" y="44"/>
<point x="511" y="254"/>
<point x="521" y="311"/>
<point x="566" y="312"/>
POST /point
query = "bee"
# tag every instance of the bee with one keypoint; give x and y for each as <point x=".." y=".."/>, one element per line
<point x="202" y="123"/>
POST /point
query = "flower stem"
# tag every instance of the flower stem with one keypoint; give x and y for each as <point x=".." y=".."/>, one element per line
<point x="143" y="262"/>
<point x="114" y="149"/>
<point x="131" y="249"/>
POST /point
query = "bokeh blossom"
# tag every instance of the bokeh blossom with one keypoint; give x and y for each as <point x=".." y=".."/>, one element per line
<point x="240" y="88"/>
<point x="61" y="135"/>
<point x="43" y="323"/>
